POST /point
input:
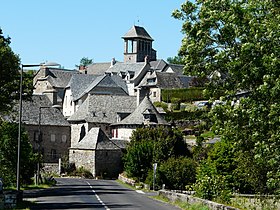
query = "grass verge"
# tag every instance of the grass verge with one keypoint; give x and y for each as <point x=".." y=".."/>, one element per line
<point x="182" y="205"/>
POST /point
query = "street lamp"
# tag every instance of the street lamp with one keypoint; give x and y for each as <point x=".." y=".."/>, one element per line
<point x="20" y="113"/>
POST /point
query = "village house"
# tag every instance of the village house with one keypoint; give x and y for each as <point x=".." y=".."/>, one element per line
<point x="81" y="85"/>
<point x="48" y="131"/>
<point x="96" y="153"/>
<point x="52" y="82"/>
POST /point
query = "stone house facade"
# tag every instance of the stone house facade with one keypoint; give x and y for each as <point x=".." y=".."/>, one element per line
<point x="38" y="116"/>
<point x="96" y="153"/>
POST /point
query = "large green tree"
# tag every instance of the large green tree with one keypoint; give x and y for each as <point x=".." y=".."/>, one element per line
<point x="237" y="44"/>
<point x="9" y="74"/>
<point x="8" y="155"/>
<point x="152" y="145"/>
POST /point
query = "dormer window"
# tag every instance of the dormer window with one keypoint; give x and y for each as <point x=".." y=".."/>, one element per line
<point x="151" y="80"/>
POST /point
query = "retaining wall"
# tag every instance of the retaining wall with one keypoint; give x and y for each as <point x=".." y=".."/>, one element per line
<point x="173" y="196"/>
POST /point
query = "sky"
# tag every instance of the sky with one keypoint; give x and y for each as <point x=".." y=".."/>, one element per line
<point x="64" y="31"/>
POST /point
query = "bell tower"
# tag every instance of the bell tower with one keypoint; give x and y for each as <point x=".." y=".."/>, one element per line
<point x="138" y="45"/>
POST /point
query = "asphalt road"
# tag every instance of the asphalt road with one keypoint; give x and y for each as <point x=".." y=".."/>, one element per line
<point x="72" y="193"/>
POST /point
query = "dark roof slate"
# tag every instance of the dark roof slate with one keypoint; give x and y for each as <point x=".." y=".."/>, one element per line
<point x="95" y="139"/>
<point x="79" y="83"/>
<point x="49" y="115"/>
<point x="137" y="117"/>
<point x="58" y="78"/>
<point x="98" y="68"/>
<point x="137" y="32"/>
<point x="104" y="108"/>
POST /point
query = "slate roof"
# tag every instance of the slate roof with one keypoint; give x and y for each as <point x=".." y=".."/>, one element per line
<point x="165" y="80"/>
<point x="31" y="111"/>
<point x="158" y="65"/>
<point x="58" y="78"/>
<point x="79" y="83"/>
<point x="95" y="139"/>
<point x="137" y="32"/>
<point x="98" y="68"/>
<point x="127" y="68"/>
<point x="176" y="68"/>
<point x="137" y="117"/>
<point x="103" y="108"/>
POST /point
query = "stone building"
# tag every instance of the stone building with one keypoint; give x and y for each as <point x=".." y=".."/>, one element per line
<point x="96" y="153"/>
<point x="138" y="45"/>
<point x="38" y="116"/>
<point x="51" y="82"/>
<point x="145" y="114"/>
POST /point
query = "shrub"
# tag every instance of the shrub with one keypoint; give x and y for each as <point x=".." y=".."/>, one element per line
<point x="177" y="173"/>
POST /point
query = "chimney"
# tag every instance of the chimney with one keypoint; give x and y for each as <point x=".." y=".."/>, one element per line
<point x="83" y="69"/>
<point x="113" y="62"/>
<point x="52" y="95"/>
<point x="147" y="60"/>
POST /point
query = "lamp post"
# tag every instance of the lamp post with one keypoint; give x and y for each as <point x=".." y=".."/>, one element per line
<point x="40" y="136"/>
<point x="20" y="113"/>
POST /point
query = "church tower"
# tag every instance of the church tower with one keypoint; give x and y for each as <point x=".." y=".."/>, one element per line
<point x="138" y="45"/>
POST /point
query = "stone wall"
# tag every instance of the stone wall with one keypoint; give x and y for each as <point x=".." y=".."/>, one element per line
<point x="9" y="199"/>
<point x="83" y="158"/>
<point x="126" y="180"/>
<point x="55" y="141"/>
<point x="173" y="196"/>
<point x="108" y="163"/>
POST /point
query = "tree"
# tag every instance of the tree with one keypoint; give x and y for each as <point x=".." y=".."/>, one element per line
<point x="85" y="61"/>
<point x="8" y="154"/>
<point x="237" y="44"/>
<point x="9" y="74"/>
<point x="152" y="145"/>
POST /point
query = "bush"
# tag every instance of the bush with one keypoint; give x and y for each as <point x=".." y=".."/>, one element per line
<point x="210" y="185"/>
<point x="177" y="173"/>
<point x="82" y="172"/>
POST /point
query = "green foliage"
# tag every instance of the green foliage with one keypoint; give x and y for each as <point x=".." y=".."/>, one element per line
<point x="177" y="173"/>
<point x="236" y="43"/>
<point x="8" y="155"/>
<point x="200" y="114"/>
<point x="161" y="104"/>
<point x="152" y="145"/>
<point x="82" y="172"/>
<point x="210" y="184"/>
<point x="9" y="74"/>
<point x="175" y="60"/>
<point x="182" y="95"/>
<point x="85" y="61"/>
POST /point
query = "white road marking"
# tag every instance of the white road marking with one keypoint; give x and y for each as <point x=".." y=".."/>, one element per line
<point x="140" y="191"/>
<point x="98" y="198"/>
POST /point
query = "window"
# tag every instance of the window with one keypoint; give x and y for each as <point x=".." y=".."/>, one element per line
<point x="154" y="94"/>
<point x="63" y="138"/>
<point x="52" y="137"/>
<point x="36" y="136"/>
<point x="53" y="153"/>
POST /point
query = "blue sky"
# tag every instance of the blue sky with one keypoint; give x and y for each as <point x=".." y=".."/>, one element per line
<point x="64" y="31"/>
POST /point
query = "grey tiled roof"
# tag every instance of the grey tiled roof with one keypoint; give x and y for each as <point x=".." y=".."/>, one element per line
<point x="164" y="80"/>
<point x="98" y="68"/>
<point x="49" y="115"/>
<point x="58" y="78"/>
<point x="95" y="139"/>
<point x="137" y="117"/>
<point x="104" y="108"/>
<point x="137" y="32"/>
<point x="176" y="68"/>
<point x="126" y="68"/>
<point x="78" y="84"/>
<point x="107" y="84"/>
<point x="158" y="65"/>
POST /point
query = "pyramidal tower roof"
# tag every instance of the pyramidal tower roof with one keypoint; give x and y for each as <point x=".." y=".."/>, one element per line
<point x="137" y="32"/>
